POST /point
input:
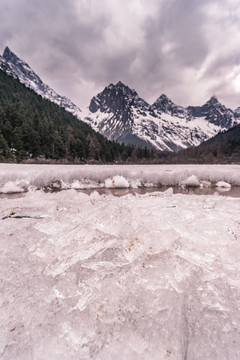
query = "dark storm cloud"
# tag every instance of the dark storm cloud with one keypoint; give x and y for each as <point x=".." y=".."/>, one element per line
<point x="185" y="48"/>
<point x="178" y="23"/>
<point x="174" y="41"/>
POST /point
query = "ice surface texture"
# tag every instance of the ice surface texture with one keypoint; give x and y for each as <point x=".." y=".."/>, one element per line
<point x="21" y="178"/>
<point x="133" y="277"/>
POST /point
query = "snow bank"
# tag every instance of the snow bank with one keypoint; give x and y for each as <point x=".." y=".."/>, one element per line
<point x="133" y="277"/>
<point x="55" y="177"/>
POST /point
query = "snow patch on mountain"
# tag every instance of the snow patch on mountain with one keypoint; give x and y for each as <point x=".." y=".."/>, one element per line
<point x="6" y="68"/>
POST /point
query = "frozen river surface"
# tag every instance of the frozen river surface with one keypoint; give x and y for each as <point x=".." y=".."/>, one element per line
<point x="152" y="276"/>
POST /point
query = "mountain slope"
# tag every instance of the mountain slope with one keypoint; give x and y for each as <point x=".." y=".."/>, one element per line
<point x="6" y="68"/>
<point x="222" y="148"/>
<point x="237" y="113"/>
<point x="31" y="126"/>
<point x="120" y="114"/>
<point x="215" y="113"/>
<point x="21" y="70"/>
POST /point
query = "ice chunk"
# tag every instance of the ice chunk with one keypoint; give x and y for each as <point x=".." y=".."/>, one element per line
<point x="168" y="192"/>
<point x="117" y="181"/>
<point x="191" y="181"/>
<point x="223" y="184"/>
<point x="205" y="183"/>
<point x="94" y="197"/>
<point x="14" y="187"/>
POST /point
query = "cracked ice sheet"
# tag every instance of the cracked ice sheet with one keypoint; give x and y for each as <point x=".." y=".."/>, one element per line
<point x="136" y="277"/>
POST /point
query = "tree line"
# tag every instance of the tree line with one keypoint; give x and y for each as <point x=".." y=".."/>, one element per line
<point x="34" y="128"/>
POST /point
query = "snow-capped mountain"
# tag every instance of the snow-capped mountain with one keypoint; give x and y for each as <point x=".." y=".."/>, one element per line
<point x="120" y="114"/>
<point x="17" y="68"/>
<point x="214" y="112"/>
<point x="164" y="105"/>
<point x="116" y="112"/>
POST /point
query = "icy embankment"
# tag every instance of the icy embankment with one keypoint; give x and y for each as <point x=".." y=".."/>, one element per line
<point x="21" y="178"/>
<point x="133" y="277"/>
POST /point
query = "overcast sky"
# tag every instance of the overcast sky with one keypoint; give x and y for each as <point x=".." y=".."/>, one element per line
<point x="187" y="49"/>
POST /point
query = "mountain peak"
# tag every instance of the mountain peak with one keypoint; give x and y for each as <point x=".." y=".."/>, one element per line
<point x="120" y="89"/>
<point x="125" y="88"/>
<point x="17" y="68"/>
<point x="6" y="50"/>
<point x="164" y="97"/>
<point x="163" y="100"/>
<point x="116" y="98"/>
<point x="120" y="83"/>
<point x="8" y="54"/>
<point x="213" y="100"/>
<point x="163" y="103"/>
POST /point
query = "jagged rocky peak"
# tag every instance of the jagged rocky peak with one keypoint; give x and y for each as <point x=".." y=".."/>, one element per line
<point x="10" y="57"/>
<point x="214" y="103"/>
<point x="116" y="98"/>
<point x="214" y="112"/>
<point x="21" y="69"/>
<point x="15" y="62"/>
<point x="165" y="105"/>
<point x="213" y="100"/>
<point x="8" y="54"/>
<point x="17" y="68"/>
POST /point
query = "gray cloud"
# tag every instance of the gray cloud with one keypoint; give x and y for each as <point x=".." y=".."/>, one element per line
<point x="185" y="48"/>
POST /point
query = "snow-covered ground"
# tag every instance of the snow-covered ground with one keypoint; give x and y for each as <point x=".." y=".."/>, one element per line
<point x="153" y="276"/>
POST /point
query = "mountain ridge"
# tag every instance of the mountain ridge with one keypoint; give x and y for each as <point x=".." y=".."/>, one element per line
<point x="30" y="79"/>
<point x="120" y="114"/>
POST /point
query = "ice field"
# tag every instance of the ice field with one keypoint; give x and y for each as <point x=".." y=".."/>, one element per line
<point x="21" y="178"/>
<point x="152" y="275"/>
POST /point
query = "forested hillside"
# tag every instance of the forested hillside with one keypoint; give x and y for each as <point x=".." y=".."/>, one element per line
<point x="223" y="148"/>
<point x="32" y="127"/>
